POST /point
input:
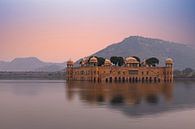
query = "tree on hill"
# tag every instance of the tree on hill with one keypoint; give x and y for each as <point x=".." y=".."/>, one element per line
<point x="114" y="60"/>
<point x="101" y="61"/>
<point x="89" y="59"/>
<point x="120" y="61"/>
<point x="177" y="73"/>
<point x="187" y="71"/>
<point x="153" y="61"/>
<point x="117" y="61"/>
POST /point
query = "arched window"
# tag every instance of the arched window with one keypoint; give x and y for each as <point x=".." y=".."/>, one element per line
<point x="129" y="79"/>
<point x="155" y="79"/>
<point x="115" y="79"/>
<point x="150" y="79"/>
<point x="143" y="79"/>
<point x="146" y="79"/>
<point x="136" y="80"/>
<point x="158" y="79"/>
<point x="110" y="79"/>
<point x="123" y="79"/>
<point x="119" y="79"/>
<point x="133" y="80"/>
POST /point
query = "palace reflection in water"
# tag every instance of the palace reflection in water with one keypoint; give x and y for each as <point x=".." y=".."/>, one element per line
<point x="133" y="99"/>
<point x="49" y="104"/>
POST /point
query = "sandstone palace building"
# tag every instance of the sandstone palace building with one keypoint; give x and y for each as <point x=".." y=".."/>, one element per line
<point x="131" y="71"/>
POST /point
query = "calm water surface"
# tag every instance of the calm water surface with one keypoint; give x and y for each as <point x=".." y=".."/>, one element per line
<point x="42" y="104"/>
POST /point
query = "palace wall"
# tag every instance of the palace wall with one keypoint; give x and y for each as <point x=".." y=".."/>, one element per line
<point x="120" y="74"/>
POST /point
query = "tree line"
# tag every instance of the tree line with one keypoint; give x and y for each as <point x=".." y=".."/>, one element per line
<point x="185" y="73"/>
<point x="120" y="61"/>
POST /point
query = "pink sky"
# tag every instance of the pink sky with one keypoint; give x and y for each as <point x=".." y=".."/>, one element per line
<point x="58" y="34"/>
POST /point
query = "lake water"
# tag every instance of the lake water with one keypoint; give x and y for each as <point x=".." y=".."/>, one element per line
<point x="42" y="104"/>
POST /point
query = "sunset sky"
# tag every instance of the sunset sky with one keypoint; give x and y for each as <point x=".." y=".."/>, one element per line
<point x="56" y="30"/>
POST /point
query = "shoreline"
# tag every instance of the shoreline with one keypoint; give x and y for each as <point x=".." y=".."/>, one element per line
<point x="60" y="75"/>
<point x="32" y="75"/>
<point x="184" y="78"/>
<point x="53" y="76"/>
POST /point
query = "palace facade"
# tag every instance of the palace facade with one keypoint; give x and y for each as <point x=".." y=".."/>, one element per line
<point x="131" y="71"/>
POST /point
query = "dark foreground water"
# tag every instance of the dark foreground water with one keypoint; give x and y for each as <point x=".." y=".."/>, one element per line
<point x="46" y="104"/>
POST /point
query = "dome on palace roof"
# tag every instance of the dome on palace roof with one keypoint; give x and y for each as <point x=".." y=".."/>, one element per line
<point x="70" y="62"/>
<point x="85" y="60"/>
<point x="169" y="61"/>
<point x="131" y="60"/>
<point x="107" y="62"/>
<point x="93" y="60"/>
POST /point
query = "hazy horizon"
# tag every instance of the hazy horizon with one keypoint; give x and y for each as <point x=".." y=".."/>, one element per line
<point x="25" y="57"/>
<point x="62" y="29"/>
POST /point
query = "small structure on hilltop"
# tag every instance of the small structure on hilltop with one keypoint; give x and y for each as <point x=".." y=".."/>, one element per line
<point x="119" y="69"/>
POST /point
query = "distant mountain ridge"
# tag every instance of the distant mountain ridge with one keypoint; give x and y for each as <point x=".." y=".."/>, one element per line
<point x="30" y="64"/>
<point x="183" y="55"/>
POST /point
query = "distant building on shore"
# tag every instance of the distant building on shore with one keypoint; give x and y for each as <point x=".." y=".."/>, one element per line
<point x="131" y="71"/>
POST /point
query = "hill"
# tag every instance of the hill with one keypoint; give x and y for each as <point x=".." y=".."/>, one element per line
<point x="183" y="55"/>
<point x="30" y="64"/>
